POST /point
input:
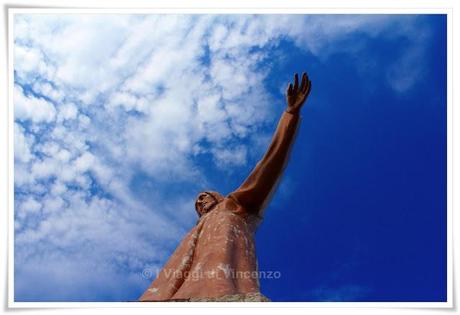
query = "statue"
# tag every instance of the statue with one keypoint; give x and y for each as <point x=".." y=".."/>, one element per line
<point x="216" y="260"/>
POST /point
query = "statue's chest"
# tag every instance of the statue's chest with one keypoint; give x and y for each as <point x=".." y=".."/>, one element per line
<point x="223" y="229"/>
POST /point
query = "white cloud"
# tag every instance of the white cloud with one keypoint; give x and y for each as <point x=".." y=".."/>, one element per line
<point x="32" y="108"/>
<point x="30" y="61"/>
<point x="45" y="168"/>
<point x="22" y="144"/>
<point x="85" y="162"/>
<point x="324" y="38"/>
<point x="231" y="157"/>
<point x="67" y="112"/>
<point x="45" y="88"/>
<point x="30" y="205"/>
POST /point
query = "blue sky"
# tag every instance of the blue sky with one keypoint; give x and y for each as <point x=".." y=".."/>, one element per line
<point x="121" y="120"/>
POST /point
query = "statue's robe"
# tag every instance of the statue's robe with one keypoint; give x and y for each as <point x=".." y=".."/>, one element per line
<point x="217" y="256"/>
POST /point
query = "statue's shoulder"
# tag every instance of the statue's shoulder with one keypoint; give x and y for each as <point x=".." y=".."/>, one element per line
<point x="230" y="204"/>
<point x="232" y="209"/>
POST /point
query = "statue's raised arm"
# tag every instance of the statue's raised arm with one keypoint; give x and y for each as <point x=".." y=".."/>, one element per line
<point x="221" y="245"/>
<point x="256" y="190"/>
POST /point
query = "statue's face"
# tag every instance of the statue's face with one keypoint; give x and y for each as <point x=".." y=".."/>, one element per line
<point x="204" y="203"/>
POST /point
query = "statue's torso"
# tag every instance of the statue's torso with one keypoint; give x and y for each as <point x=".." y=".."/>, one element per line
<point x="216" y="258"/>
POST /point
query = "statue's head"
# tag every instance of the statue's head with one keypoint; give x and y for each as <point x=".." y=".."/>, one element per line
<point x="206" y="201"/>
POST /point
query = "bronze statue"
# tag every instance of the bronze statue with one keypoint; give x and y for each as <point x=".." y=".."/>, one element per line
<point x="216" y="260"/>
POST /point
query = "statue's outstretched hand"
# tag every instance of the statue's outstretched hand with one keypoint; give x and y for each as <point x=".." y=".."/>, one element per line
<point x="296" y="95"/>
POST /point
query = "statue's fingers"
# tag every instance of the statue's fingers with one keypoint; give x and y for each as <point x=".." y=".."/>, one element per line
<point x="304" y="82"/>
<point x="296" y="83"/>
<point x="306" y="93"/>
<point x="307" y="85"/>
<point x="289" y="89"/>
<point x="308" y="89"/>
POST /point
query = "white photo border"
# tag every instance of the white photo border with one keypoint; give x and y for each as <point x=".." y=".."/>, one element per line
<point x="12" y="11"/>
